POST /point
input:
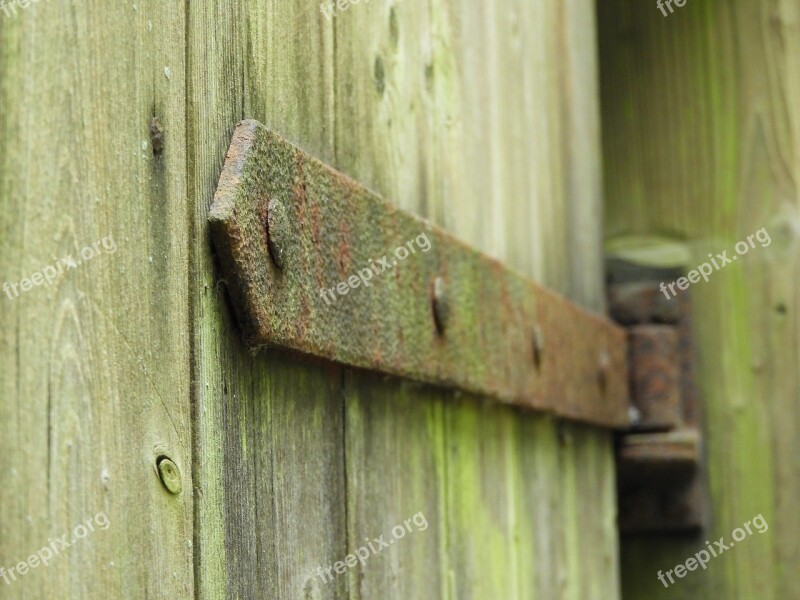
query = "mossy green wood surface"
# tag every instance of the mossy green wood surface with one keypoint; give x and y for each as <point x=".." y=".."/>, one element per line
<point x="478" y="116"/>
<point x="430" y="114"/>
<point x="395" y="107"/>
<point x="270" y="449"/>
<point x="702" y="142"/>
<point x="94" y="369"/>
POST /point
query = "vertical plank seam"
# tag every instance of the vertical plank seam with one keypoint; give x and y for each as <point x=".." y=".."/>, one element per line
<point x="343" y="398"/>
<point x="192" y="314"/>
<point x="445" y="526"/>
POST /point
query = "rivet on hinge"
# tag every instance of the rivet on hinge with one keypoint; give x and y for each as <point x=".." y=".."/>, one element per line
<point x="538" y="347"/>
<point x="603" y="365"/>
<point x="441" y="305"/>
<point x="277" y="232"/>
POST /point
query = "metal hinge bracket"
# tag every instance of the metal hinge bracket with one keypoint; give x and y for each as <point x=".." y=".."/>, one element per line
<point x="659" y="466"/>
<point x="316" y="263"/>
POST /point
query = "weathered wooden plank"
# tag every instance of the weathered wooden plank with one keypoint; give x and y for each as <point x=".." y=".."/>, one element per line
<point x="397" y="84"/>
<point x="270" y="465"/>
<point x="94" y="368"/>
<point x="594" y="546"/>
<point x="394" y="450"/>
<point x="475" y="190"/>
<point x="481" y="478"/>
<point x="701" y="123"/>
<point x="518" y="127"/>
<point x="214" y="59"/>
<point x="555" y="150"/>
<point x="394" y="431"/>
<point x="477" y="185"/>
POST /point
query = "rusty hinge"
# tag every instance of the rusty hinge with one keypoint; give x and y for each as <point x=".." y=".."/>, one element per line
<point x="317" y="263"/>
<point x="659" y="466"/>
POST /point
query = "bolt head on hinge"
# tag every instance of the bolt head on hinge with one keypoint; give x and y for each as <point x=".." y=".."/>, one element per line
<point x="278" y="232"/>
<point x="441" y="305"/>
<point x="603" y="369"/>
<point x="538" y="347"/>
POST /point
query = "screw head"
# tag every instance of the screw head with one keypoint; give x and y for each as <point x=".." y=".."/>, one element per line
<point x="170" y="475"/>
<point x="441" y="305"/>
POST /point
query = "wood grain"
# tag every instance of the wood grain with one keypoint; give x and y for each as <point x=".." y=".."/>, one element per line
<point x="702" y="145"/>
<point x="94" y="371"/>
<point x="480" y="117"/>
<point x="481" y="83"/>
<point x="270" y="463"/>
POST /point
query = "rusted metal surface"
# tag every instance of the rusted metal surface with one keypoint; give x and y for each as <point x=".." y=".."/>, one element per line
<point x="658" y="459"/>
<point x="654" y="371"/>
<point x="687" y="363"/>
<point x="661" y="487"/>
<point x="297" y="239"/>
<point x="640" y="303"/>
<point x="679" y="509"/>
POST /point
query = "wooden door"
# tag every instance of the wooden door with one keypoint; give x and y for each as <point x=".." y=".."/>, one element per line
<point x="483" y="117"/>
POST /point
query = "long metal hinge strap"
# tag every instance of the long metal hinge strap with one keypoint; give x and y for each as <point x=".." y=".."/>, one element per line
<point x="317" y="263"/>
